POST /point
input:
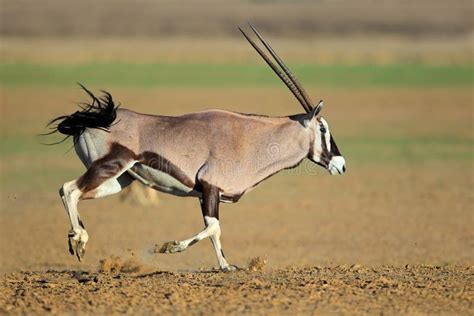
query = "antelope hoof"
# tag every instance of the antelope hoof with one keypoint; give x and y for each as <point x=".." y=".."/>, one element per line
<point x="171" y="247"/>
<point x="71" y="243"/>
<point x="80" y="250"/>
<point x="230" y="268"/>
<point x="77" y="243"/>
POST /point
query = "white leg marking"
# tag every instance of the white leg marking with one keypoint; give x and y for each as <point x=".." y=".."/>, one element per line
<point x="216" y="242"/>
<point x="212" y="227"/>
<point x="78" y="236"/>
<point x="213" y="231"/>
<point x="109" y="187"/>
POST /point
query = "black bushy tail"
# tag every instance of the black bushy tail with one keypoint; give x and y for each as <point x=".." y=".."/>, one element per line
<point x="100" y="114"/>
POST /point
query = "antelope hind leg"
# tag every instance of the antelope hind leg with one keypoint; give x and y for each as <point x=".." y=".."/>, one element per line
<point x="77" y="236"/>
<point x="99" y="180"/>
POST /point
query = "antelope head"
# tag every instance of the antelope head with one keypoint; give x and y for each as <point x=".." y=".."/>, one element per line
<point x="323" y="149"/>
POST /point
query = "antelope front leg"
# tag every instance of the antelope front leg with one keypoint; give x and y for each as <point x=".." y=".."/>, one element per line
<point x="212" y="228"/>
<point x="210" y="211"/>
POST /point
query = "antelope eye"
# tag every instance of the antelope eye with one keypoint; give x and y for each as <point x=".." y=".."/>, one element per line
<point x="322" y="130"/>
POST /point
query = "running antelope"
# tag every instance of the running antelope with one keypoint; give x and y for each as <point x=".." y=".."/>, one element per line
<point x="216" y="156"/>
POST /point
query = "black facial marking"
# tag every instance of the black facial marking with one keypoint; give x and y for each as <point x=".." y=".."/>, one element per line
<point x="326" y="156"/>
<point x="334" y="150"/>
<point x="311" y="148"/>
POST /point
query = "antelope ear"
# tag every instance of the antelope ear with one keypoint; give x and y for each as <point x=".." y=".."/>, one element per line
<point x="314" y="112"/>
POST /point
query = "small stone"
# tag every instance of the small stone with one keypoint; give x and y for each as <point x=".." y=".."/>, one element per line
<point x="257" y="264"/>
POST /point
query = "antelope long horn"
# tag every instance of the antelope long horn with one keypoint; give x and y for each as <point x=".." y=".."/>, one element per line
<point x="307" y="99"/>
<point x="288" y="82"/>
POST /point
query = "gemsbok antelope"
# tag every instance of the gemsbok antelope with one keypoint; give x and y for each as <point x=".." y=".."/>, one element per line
<point x="216" y="156"/>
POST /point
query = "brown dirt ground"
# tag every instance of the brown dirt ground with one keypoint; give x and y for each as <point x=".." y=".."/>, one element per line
<point x="332" y="244"/>
<point x="354" y="290"/>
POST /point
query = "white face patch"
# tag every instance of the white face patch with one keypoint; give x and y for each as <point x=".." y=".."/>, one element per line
<point x="327" y="135"/>
<point x="322" y="151"/>
<point x="320" y="137"/>
<point x="337" y="165"/>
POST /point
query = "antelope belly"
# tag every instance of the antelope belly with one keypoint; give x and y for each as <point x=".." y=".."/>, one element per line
<point x="161" y="180"/>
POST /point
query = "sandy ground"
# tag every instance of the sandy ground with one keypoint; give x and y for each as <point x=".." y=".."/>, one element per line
<point x="355" y="290"/>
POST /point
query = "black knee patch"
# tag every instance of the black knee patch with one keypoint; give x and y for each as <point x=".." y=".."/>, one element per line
<point x="193" y="242"/>
<point x="81" y="223"/>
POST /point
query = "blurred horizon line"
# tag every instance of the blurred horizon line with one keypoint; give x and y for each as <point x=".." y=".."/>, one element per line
<point x="220" y="18"/>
